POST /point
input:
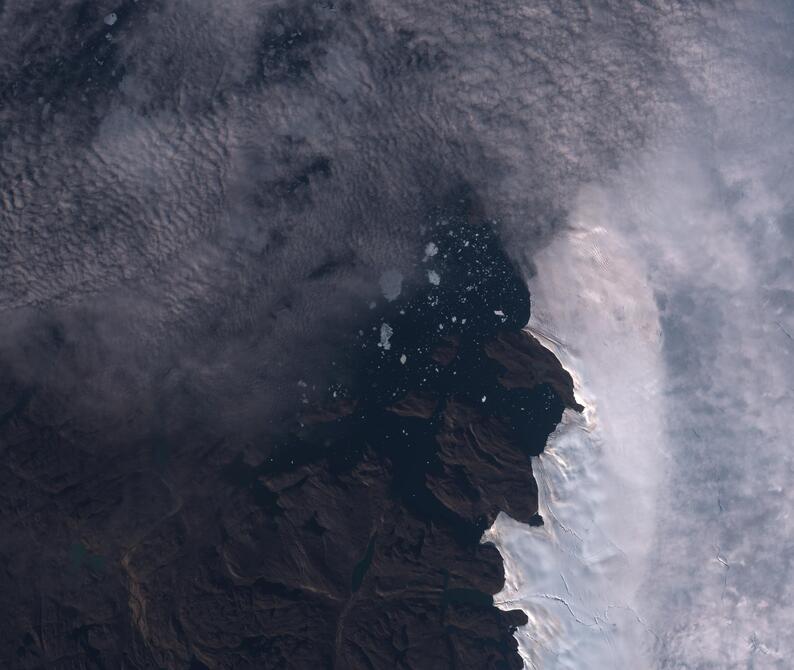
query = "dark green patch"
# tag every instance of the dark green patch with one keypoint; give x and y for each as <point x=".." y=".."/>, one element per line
<point x="81" y="558"/>
<point x="360" y="571"/>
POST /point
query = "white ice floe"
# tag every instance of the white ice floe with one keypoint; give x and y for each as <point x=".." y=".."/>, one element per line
<point x="386" y="331"/>
<point x="430" y="250"/>
<point x="391" y="284"/>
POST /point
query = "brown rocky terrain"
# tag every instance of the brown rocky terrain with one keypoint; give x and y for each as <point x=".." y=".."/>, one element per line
<point x="351" y="539"/>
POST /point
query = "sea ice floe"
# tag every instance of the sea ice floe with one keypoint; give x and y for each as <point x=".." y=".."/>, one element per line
<point x="391" y="283"/>
<point x="386" y="331"/>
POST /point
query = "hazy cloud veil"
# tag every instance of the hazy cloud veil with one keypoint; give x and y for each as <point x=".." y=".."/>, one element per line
<point x="196" y="214"/>
<point x="679" y="327"/>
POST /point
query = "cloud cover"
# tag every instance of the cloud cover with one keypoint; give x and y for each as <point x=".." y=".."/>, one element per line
<point x="190" y="200"/>
<point x="703" y="216"/>
<point x="221" y="179"/>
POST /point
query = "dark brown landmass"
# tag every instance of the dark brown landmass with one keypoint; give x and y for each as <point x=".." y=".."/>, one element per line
<point x="352" y="542"/>
<point x="528" y="363"/>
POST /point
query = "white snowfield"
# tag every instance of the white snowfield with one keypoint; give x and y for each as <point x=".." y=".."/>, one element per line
<point x="668" y="539"/>
<point x="669" y="534"/>
<point x="579" y="574"/>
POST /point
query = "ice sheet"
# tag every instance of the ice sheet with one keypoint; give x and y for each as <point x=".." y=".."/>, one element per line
<point x="578" y="575"/>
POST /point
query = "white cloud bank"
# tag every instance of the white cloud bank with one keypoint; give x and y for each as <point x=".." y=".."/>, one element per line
<point x="669" y="536"/>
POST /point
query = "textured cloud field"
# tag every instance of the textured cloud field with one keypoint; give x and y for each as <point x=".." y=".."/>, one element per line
<point x="194" y="207"/>
<point x="219" y="178"/>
